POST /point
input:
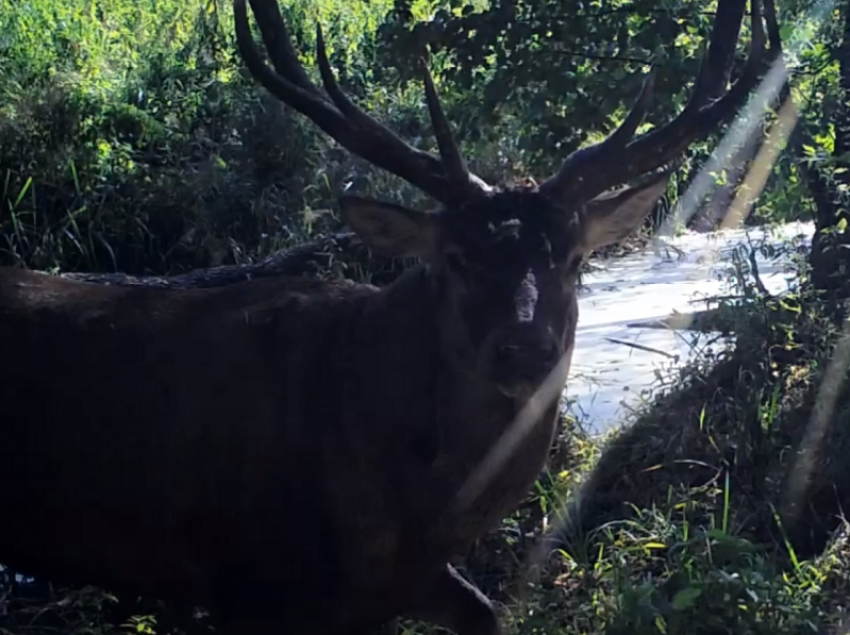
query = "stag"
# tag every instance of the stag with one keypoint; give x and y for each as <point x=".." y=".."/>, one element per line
<point x="269" y="447"/>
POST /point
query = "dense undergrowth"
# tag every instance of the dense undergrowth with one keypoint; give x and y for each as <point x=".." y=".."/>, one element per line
<point x="132" y="141"/>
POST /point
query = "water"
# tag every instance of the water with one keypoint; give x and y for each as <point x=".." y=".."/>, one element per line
<point x="606" y="378"/>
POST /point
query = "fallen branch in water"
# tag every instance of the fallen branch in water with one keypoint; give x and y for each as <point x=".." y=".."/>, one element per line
<point x="648" y="349"/>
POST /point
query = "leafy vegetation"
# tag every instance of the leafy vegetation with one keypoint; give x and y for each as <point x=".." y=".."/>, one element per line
<point x="131" y="140"/>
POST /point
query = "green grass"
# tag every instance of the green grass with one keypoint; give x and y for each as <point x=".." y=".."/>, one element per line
<point x="131" y="140"/>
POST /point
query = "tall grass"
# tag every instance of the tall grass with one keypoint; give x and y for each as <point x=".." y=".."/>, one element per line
<point x="131" y="139"/>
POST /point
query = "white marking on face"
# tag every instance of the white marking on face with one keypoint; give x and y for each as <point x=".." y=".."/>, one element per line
<point x="526" y="298"/>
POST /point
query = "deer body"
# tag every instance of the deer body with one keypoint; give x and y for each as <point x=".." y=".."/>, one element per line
<point x="254" y="436"/>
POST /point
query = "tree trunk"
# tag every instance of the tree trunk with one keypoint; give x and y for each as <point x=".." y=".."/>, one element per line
<point x="830" y="265"/>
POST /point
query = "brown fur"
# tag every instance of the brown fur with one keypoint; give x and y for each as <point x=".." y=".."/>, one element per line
<point x="270" y="446"/>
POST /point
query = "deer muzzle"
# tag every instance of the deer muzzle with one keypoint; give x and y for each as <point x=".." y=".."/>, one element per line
<point x="519" y="358"/>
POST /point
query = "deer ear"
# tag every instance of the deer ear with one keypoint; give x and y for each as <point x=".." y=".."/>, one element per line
<point x="614" y="215"/>
<point x="389" y="229"/>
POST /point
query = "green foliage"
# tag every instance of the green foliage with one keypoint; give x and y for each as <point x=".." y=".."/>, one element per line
<point x="130" y="139"/>
<point x="553" y="76"/>
<point x="568" y="70"/>
<point x="683" y="524"/>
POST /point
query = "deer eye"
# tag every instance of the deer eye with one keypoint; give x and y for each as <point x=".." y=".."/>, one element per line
<point x="455" y="262"/>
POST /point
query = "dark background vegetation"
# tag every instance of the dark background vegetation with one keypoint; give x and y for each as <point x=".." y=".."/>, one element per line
<point x="131" y="140"/>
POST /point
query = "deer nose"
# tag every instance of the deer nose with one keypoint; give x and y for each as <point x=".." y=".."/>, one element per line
<point x="507" y="352"/>
<point x="543" y="348"/>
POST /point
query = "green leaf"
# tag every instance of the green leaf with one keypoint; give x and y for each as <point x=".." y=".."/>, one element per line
<point x="686" y="598"/>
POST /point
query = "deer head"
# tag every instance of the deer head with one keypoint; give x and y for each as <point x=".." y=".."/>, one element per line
<point x="503" y="260"/>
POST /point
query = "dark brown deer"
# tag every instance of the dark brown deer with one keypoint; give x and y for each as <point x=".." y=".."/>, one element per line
<point x="290" y="453"/>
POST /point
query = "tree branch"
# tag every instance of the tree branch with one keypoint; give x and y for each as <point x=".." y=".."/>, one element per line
<point x="604" y="58"/>
<point x="297" y="261"/>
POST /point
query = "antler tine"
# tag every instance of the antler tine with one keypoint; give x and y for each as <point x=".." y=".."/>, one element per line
<point x="348" y="108"/>
<point x="617" y="140"/>
<point x="461" y="181"/>
<point x="456" y="169"/>
<point x="279" y="44"/>
<point x="301" y="98"/>
<point x="339" y="117"/>
<point x="592" y="170"/>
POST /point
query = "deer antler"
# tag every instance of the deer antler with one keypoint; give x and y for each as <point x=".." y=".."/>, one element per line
<point x="446" y="179"/>
<point x="620" y="157"/>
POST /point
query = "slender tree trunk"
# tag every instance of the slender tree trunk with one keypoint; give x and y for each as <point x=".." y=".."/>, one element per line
<point x="829" y="257"/>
